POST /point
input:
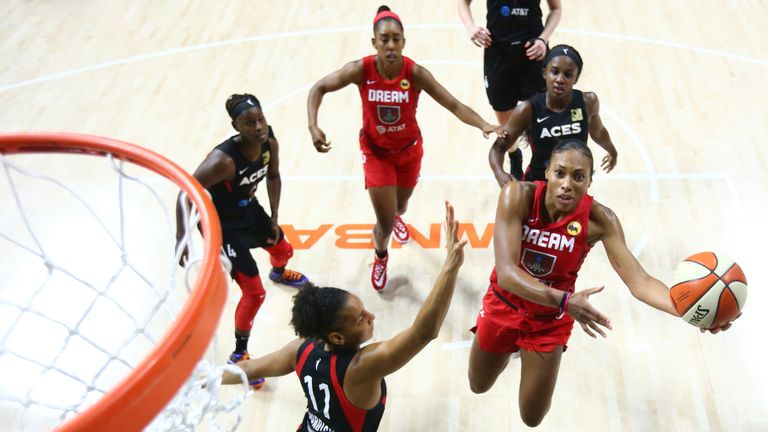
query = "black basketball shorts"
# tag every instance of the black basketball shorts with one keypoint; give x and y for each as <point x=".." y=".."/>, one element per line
<point x="510" y="76"/>
<point x="238" y="238"/>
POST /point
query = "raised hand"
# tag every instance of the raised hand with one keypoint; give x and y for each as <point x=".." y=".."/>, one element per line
<point x="454" y="246"/>
<point x="589" y="317"/>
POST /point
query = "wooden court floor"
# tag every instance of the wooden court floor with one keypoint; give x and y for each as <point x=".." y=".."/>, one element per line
<point x="682" y="93"/>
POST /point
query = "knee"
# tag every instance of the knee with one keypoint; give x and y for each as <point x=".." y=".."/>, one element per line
<point x="252" y="288"/>
<point x="532" y="416"/>
<point x="531" y="420"/>
<point x="280" y="253"/>
<point x="477" y="386"/>
<point x="385" y="227"/>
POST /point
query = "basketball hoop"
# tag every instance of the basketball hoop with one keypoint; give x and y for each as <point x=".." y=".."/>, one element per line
<point x="136" y="399"/>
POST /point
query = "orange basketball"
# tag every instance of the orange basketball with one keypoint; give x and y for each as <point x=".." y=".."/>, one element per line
<point x="708" y="290"/>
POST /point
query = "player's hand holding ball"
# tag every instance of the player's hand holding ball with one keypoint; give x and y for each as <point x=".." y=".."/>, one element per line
<point x="709" y="291"/>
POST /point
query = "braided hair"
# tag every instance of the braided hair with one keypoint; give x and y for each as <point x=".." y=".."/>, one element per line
<point x="237" y="103"/>
<point x="315" y="310"/>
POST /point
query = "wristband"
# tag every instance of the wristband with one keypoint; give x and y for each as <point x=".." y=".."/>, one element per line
<point x="546" y="44"/>
<point x="567" y="298"/>
<point x="563" y="300"/>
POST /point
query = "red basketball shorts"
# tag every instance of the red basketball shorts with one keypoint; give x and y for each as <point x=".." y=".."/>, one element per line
<point x="501" y="329"/>
<point x="400" y="168"/>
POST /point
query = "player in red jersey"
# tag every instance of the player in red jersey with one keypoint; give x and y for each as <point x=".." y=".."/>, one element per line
<point x="390" y="140"/>
<point x="344" y="383"/>
<point x="543" y="232"/>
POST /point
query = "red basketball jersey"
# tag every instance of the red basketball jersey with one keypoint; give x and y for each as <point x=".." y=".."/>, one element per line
<point x="551" y="252"/>
<point x="389" y="107"/>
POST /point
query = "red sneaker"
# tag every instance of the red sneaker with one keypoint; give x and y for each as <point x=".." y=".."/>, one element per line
<point x="400" y="231"/>
<point x="379" y="272"/>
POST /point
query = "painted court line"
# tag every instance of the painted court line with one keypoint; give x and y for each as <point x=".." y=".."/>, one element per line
<point x="333" y="30"/>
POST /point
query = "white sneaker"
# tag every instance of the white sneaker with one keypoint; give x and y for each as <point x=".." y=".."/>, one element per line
<point x="379" y="272"/>
<point x="400" y="231"/>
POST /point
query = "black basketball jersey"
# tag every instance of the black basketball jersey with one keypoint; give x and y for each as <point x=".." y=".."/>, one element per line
<point x="321" y="374"/>
<point x="235" y="199"/>
<point x="548" y="128"/>
<point x="514" y="20"/>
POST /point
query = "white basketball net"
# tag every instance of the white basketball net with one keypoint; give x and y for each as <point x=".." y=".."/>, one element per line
<point x="89" y="284"/>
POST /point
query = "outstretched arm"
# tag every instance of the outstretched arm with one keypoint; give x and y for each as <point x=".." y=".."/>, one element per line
<point x="643" y="286"/>
<point x="518" y="122"/>
<point x="599" y="133"/>
<point x="278" y="363"/>
<point x="381" y="359"/>
<point x="351" y="73"/>
<point x="425" y="81"/>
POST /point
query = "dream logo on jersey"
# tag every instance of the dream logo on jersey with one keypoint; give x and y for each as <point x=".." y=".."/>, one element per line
<point x="538" y="264"/>
<point x="574" y="228"/>
<point x="576" y="114"/>
<point x="265" y="157"/>
<point x="388" y="114"/>
<point x="405" y="84"/>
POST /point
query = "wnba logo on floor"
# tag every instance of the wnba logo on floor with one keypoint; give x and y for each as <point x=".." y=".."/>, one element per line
<point x="358" y="236"/>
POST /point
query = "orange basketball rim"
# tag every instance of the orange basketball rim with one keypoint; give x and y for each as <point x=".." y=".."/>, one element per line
<point x="132" y="403"/>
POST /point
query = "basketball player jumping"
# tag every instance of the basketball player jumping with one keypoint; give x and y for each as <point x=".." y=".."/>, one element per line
<point x="543" y="232"/>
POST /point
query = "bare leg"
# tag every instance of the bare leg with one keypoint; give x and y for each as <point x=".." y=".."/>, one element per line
<point x="403" y="195"/>
<point x="484" y="367"/>
<point x="384" y="200"/>
<point x="538" y="377"/>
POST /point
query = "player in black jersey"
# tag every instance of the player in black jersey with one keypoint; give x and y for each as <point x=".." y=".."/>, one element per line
<point x="231" y="173"/>
<point x="552" y="116"/>
<point x="343" y="383"/>
<point x="515" y="43"/>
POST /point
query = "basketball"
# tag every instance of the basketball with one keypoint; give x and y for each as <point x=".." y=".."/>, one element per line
<point x="708" y="290"/>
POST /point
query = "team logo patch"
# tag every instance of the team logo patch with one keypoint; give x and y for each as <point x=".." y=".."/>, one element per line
<point x="265" y="157"/>
<point x="405" y="84"/>
<point x="388" y="114"/>
<point x="576" y="114"/>
<point x="537" y="263"/>
<point x="574" y="228"/>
